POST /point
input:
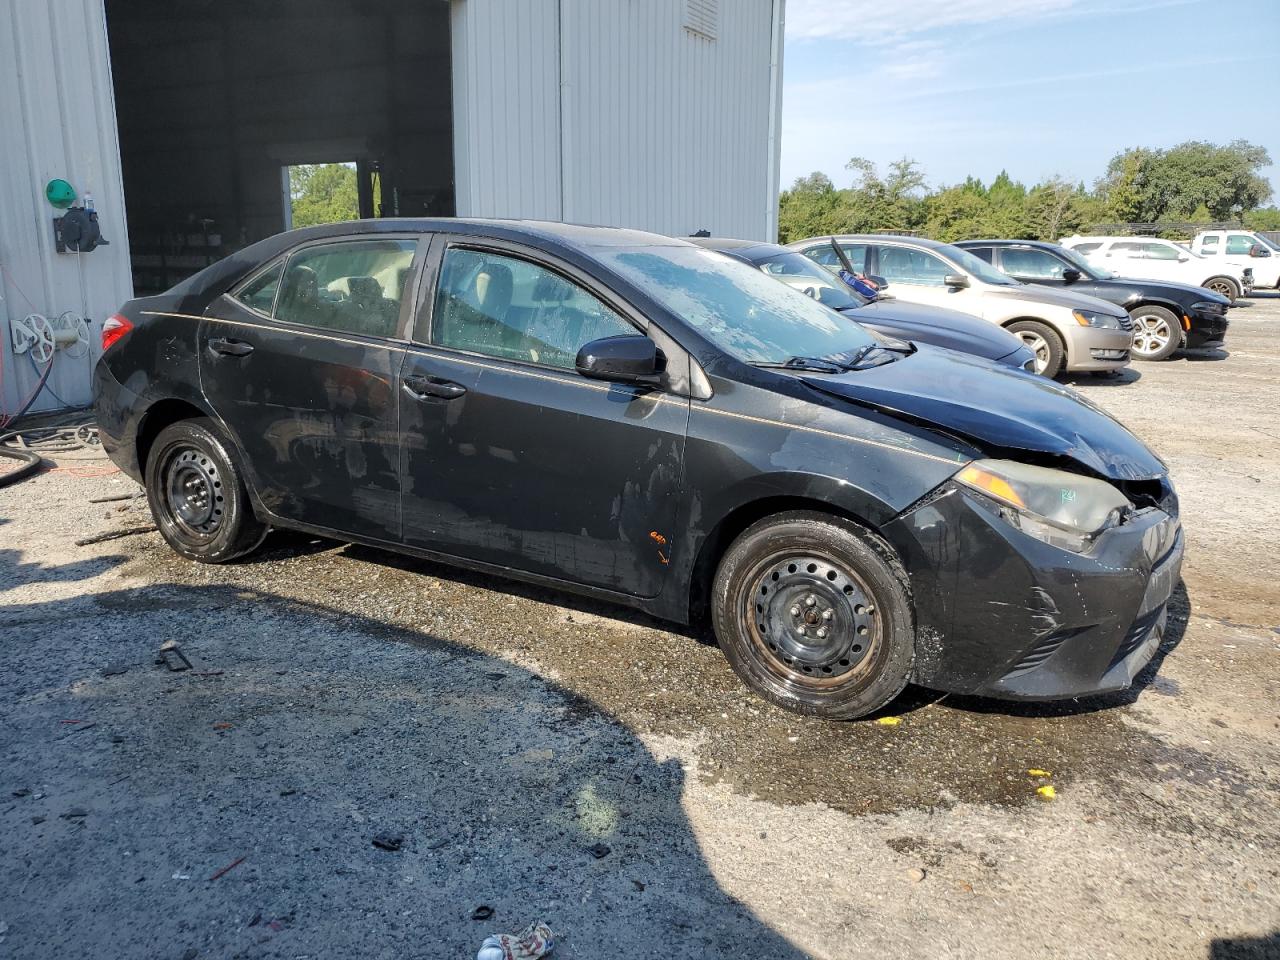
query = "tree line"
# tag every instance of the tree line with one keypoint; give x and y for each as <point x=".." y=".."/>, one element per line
<point x="1193" y="182"/>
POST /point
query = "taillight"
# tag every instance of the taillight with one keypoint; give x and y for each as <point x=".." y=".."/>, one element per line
<point x="114" y="328"/>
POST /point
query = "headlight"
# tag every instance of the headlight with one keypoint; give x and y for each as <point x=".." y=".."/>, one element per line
<point x="1087" y="318"/>
<point x="1208" y="306"/>
<point x="1063" y="509"/>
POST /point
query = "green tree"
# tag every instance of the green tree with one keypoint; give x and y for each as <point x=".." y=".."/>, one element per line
<point x="1147" y="185"/>
<point x="1268" y="218"/>
<point x="322" y="193"/>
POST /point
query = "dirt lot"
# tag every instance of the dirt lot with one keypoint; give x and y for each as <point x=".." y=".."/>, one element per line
<point x="555" y="759"/>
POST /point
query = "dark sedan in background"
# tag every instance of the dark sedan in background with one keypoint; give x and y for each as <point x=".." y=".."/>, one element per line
<point x="1167" y="316"/>
<point x="906" y="321"/>
<point x="642" y="420"/>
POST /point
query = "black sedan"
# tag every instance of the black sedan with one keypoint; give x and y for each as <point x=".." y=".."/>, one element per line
<point x="642" y="420"/>
<point x="1167" y="316"/>
<point x="907" y="321"/>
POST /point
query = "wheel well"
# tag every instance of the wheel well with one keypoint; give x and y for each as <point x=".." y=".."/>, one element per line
<point x="1044" y="323"/>
<point x="157" y="417"/>
<point x="728" y="529"/>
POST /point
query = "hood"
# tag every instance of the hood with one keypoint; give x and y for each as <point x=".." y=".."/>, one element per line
<point x="939" y="326"/>
<point x="1055" y="297"/>
<point x="998" y="407"/>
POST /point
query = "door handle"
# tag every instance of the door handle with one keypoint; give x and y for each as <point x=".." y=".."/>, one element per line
<point x="230" y="348"/>
<point x="422" y="388"/>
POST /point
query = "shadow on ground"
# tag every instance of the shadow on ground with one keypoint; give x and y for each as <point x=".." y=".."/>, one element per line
<point x="233" y="809"/>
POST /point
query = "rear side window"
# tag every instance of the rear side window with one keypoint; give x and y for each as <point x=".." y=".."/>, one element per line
<point x="516" y="310"/>
<point x="824" y="255"/>
<point x="905" y="265"/>
<point x="354" y="286"/>
<point x="260" y="292"/>
<point x="1159" y="251"/>
<point x="987" y="254"/>
<point x="1239" y="244"/>
<point x="1086" y="248"/>
<point x="1032" y="263"/>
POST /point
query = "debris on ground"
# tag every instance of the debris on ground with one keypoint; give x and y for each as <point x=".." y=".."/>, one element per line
<point x="1046" y="792"/>
<point x="482" y="912"/>
<point x="889" y="721"/>
<point x="228" y="868"/>
<point x="916" y="874"/>
<point x="171" y="656"/>
<point x="599" y="851"/>
<point x="390" y="842"/>
<point x="534" y="941"/>
<point x="115" y="669"/>
<point x="114" y="535"/>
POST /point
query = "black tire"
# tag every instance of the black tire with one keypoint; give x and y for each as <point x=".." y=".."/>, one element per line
<point x="790" y="576"/>
<point x="1044" y="342"/>
<point x="1157" y="334"/>
<point x="1225" y="286"/>
<point x="197" y="495"/>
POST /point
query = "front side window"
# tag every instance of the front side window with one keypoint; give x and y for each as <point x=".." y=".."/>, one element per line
<point x="516" y="310"/>
<point x="1159" y="251"/>
<point x="748" y="314"/>
<point x="260" y="292"/>
<point x="906" y="265"/>
<point x="1239" y="244"/>
<point x="354" y="286"/>
<point x="1033" y="263"/>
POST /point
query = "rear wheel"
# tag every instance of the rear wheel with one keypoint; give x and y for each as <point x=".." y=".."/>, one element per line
<point x="1157" y="333"/>
<point x="1044" y="342"/>
<point x="1225" y="286"/>
<point x="197" y="495"/>
<point x="812" y="614"/>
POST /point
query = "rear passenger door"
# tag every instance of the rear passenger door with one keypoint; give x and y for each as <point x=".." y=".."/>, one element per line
<point x="300" y="363"/>
<point x="1031" y="265"/>
<point x="511" y="457"/>
<point x="917" y="277"/>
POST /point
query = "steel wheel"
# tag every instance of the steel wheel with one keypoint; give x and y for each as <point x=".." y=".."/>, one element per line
<point x="814" y="621"/>
<point x="1152" y="334"/>
<point x="1037" y="345"/>
<point x="193" y="491"/>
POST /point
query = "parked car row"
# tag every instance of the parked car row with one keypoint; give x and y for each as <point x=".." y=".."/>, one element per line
<point x="673" y="428"/>
<point x="1151" y="258"/>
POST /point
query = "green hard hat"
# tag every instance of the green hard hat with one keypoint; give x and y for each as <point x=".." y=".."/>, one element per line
<point x="60" y="193"/>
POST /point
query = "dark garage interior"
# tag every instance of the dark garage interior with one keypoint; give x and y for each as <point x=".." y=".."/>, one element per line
<point x="215" y="99"/>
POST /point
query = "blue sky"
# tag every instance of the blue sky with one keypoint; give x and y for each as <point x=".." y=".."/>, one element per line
<point x="1037" y="87"/>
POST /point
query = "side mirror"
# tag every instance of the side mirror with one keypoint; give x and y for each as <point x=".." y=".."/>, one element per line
<point x="880" y="282"/>
<point x="624" y="359"/>
<point x="1258" y="250"/>
<point x="956" y="281"/>
<point x="1071" y="275"/>
<point x="1183" y="258"/>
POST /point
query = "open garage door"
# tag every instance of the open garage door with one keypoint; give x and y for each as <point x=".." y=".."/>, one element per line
<point x="217" y="100"/>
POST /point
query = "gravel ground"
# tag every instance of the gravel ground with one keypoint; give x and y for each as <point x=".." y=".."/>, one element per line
<point x="550" y="758"/>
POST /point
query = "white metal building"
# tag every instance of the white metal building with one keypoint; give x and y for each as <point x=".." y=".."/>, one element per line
<point x="180" y="119"/>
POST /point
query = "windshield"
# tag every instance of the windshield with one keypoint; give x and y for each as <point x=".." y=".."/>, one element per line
<point x="750" y="316"/>
<point x="800" y="273"/>
<point x="1266" y="242"/>
<point x="979" y="268"/>
<point x="1084" y="266"/>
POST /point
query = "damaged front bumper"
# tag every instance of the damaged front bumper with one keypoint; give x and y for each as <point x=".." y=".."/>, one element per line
<point x="1002" y="614"/>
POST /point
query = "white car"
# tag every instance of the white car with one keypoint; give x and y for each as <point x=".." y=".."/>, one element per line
<point x="1262" y="255"/>
<point x="1065" y="330"/>
<point x="1150" y="258"/>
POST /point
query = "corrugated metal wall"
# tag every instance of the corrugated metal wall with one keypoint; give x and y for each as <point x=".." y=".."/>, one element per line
<point x="57" y="119"/>
<point x="610" y="111"/>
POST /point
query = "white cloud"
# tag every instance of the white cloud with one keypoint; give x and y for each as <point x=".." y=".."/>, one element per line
<point x="872" y="20"/>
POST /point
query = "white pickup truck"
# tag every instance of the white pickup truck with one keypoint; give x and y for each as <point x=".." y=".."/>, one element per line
<point x="1261" y="254"/>
<point x="1151" y="258"/>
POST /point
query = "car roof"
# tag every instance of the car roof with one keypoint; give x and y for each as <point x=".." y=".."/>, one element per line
<point x="579" y="235"/>
<point x="1006" y="243"/>
<point x="749" y="249"/>
<point x="877" y="238"/>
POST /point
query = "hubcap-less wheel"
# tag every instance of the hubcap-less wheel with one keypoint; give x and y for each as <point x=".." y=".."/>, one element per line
<point x="1152" y="335"/>
<point x="815" y="621"/>
<point x="193" y="491"/>
<point x="1224" y="288"/>
<point x="1037" y="345"/>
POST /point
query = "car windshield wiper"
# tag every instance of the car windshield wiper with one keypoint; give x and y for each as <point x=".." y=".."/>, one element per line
<point x="812" y="364"/>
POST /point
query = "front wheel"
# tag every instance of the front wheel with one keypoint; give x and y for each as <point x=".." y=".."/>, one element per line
<point x="1044" y="342"/>
<point x="812" y="614"/>
<point x="197" y="496"/>
<point x="1156" y="334"/>
<point x="1225" y="286"/>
